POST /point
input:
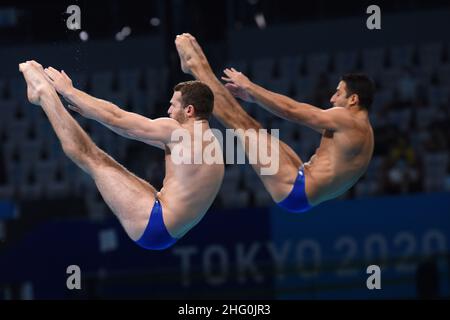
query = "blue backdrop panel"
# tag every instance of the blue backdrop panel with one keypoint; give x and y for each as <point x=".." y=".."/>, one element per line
<point x="327" y="250"/>
<point x="216" y="259"/>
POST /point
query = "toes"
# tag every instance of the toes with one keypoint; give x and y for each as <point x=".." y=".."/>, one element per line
<point x="23" y="66"/>
<point x="37" y="65"/>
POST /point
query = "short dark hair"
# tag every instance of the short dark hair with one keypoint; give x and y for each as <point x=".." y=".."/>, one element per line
<point x="362" y="85"/>
<point x="199" y="95"/>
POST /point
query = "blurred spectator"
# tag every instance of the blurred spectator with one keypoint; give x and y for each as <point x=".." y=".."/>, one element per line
<point x="403" y="170"/>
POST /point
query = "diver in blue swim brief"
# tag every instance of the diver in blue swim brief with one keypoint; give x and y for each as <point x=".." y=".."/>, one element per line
<point x="297" y="201"/>
<point x="347" y="138"/>
<point x="129" y="197"/>
<point x="156" y="236"/>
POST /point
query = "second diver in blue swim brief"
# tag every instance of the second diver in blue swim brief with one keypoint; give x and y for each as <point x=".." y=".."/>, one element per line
<point x="297" y="201"/>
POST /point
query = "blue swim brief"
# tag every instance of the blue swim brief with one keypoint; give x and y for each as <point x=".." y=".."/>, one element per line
<point x="297" y="201"/>
<point x="156" y="236"/>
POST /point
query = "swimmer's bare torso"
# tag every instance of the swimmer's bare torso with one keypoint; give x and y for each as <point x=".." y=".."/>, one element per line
<point x="340" y="160"/>
<point x="189" y="189"/>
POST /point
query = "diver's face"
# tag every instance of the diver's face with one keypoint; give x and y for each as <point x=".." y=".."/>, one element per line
<point x="340" y="99"/>
<point x="176" y="110"/>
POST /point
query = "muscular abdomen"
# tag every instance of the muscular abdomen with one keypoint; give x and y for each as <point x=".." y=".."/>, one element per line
<point x="339" y="163"/>
<point x="188" y="192"/>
